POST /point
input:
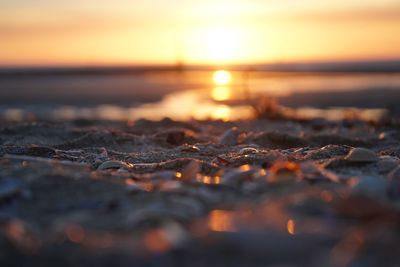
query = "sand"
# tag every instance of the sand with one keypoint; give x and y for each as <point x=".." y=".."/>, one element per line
<point x="199" y="193"/>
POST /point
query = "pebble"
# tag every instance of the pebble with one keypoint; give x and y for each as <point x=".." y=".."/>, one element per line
<point x="361" y="155"/>
<point x="248" y="150"/>
<point x="113" y="164"/>
<point x="327" y="152"/>
<point x="190" y="171"/>
<point x="370" y="186"/>
<point x="387" y="163"/>
<point x="190" y="148"/>
<point x="230" y="137"/>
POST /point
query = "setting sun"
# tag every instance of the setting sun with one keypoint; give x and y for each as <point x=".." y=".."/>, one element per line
<point x="222" y="77"/>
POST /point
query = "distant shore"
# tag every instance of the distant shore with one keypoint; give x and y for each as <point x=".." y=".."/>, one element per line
<point x="374" y="66"/>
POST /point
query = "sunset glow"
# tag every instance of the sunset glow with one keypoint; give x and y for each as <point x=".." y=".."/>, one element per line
<point x="206" y="32"/>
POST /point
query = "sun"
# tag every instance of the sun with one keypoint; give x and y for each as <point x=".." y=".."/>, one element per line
<point x="222" y="77"/>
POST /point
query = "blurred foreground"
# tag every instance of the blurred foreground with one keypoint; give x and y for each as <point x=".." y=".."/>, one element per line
<point x="200" y="193"/>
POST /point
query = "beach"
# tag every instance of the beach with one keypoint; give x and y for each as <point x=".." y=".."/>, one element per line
<point x="270" y="192"/>
<point x="207" y="133"/>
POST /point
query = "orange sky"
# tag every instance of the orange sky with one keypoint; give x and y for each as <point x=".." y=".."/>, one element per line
<point x="48" y="32"/>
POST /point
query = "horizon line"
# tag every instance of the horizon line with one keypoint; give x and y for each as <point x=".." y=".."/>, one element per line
<point x="363" y="65"/>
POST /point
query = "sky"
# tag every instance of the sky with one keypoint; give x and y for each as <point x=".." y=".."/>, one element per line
<point x="98" y="32"/>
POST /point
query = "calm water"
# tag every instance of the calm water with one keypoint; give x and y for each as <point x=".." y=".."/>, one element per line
<point x="193" y="94"/>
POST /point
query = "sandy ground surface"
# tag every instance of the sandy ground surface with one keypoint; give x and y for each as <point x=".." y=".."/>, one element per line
<point x="199" y="193"/>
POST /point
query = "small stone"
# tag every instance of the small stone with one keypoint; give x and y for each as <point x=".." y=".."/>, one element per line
<point x="369" y="186"/>
<point x="190" y="148"/>
<point x="191" y="170"/>
<point x="387" y="163"/>
<point x="361" y="155"/>
<point x="113" y="164"/>
<point x="230" y="137"/>
<point x="248" y="150"/>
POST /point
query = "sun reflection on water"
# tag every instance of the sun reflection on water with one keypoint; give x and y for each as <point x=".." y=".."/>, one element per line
<point x="221" y="112"/>
<point x="221" y="93"/>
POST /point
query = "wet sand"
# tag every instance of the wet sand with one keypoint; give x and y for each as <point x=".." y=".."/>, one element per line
<point x="199" y="193"/>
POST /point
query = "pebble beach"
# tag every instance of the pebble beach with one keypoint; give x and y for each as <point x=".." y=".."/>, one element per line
<point x="199" y="193"/>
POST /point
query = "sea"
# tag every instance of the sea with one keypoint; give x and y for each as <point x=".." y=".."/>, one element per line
<point x="324" y="89"/>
